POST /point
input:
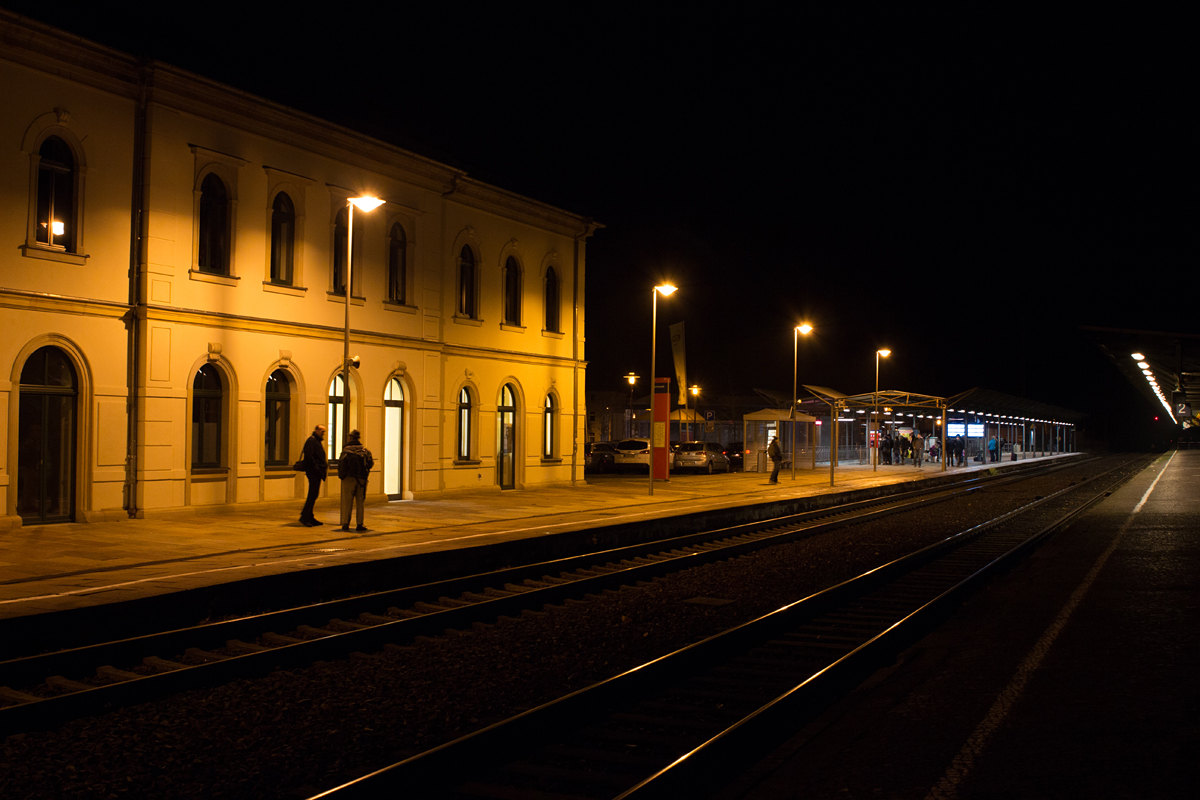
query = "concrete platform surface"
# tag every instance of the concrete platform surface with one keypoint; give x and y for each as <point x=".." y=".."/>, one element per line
<point x="57" y="567"/>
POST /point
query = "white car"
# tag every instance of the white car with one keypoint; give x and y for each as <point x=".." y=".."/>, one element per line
<point x="633" y="452"/>
<point x="707" y="457"/>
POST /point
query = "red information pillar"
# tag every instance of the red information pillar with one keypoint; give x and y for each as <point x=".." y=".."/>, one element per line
<point x="659" y="427"/>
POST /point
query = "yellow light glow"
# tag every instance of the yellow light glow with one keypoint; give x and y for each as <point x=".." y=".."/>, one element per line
<point x="631" y="378"/>
<point x="695" y="390"/>
<point x="665" y="290"/>
<point x="366" y="203"/>
<point x="885" y="353"/>
<point x="56" y="228"/>
<point x="804" y="328"/>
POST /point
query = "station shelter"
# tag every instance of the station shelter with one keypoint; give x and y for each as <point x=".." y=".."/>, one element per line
<point x="796" y="432"/>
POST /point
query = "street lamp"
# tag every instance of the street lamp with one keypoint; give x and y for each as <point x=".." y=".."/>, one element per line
<point x="629" y="423"/>
<point x="885" y="354"/>
<point x="666" y="290"/>
<point x="806" y="329"/>
<point x="365" y="203"/>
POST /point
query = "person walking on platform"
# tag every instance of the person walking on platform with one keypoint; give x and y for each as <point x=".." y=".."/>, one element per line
<point x="775" y="453"/>
<point x="354" y="466"/>
<point x="315" y="465"/>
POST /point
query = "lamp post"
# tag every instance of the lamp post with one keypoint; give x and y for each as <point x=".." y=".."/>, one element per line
<point x="629" y="423"/>
<point x="885" y="354"/>
<point x="365" y="203"/>
<point x="806" y="329"/>
<point x="666" y="290"/>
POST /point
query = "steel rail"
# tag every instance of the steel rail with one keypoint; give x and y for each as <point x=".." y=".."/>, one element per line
<point x="425" y="774"/>
<point x="578" y="577"/>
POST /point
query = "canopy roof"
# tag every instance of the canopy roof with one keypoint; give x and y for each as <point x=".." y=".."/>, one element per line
<point x="777" y="414"/>
<point x="1173" y="360"/>
<point x="990" y="402"/>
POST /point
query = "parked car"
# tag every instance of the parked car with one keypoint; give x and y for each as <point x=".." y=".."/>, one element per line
<point x="701" y="456"/>
<point x="599" y="456"/>
<point x="633" y="453"/>
<point x="735" y="451"/>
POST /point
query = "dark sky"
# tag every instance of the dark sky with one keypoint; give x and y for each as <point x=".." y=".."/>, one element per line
<point x="967" y="193"/>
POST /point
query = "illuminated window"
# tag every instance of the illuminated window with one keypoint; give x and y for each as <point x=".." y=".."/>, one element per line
<point x="334" y="418"/>
<point x="548" y="415"/>
<point x="512" y="292"/>
<point x="466" y="283"/>
<point x="397" y="265"/>
<point x="552" y="320"/>
<point x="55" y="215"/>
<point x="207" y="395"/>
<point x="283" y="239"/>
<point x="278" y="397"/>
<point x="464" y="425"/>
<point x="393" y="439"/>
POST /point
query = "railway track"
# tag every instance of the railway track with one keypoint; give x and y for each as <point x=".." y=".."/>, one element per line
<point x="671" y="728"/>
<point x="43" y="690"/>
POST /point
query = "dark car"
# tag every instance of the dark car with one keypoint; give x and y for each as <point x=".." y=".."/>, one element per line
<point x="601" y="456"/>
<point x="735" y="451"/>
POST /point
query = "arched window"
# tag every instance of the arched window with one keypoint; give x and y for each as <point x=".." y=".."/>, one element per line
<point x="548" y="443"/>
<point x="466" y="282"/>
<point x="334" y="422"/>
<point x="464" y="425"/>
<point x="397" y="265"/>
<point x="213" y="256"/>
<point x="56" y="195"/>
<point x="393" y="439"/>
<point x="552" y="300"/>
<point x="46" y="438"/>
<point x="207" y="393"/>
<point x="278" y="398"/>
<point x="283" y="233"/>
<point x="506" y="438"/>
<point x="512" y="292"/>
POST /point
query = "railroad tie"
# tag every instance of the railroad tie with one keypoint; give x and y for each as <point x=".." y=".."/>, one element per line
<point x="109" y="672"/>
<point x="66" y="684"/>
<point x="13" y="696"/>
<point x="243" y="648"/>
<point x="161" y="664"/>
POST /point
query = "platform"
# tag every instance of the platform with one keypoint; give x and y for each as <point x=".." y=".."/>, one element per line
<point x="68" y="566"/>
<point x="1073" y="676"/>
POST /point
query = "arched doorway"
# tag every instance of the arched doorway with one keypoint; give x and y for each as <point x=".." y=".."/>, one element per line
<point x="393" y="440"/>
<point x="506" y="446"/>
<point x="46" y="439"/>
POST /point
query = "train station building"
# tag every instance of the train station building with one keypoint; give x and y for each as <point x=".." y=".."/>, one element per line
<point x="174" y="299"/>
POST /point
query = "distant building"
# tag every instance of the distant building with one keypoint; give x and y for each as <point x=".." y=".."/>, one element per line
<point x="173" y="293"/>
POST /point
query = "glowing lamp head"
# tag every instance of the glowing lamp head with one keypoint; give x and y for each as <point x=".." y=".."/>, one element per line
<point x="804" y="328"/>
<point x="884" y="353"/>
<point x="666" y="290"/>
<point x="631" y="378"/>
<point x="366" y="203"/>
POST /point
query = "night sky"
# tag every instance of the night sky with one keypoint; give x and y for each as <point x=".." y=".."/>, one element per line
<point x="967" y="193"/>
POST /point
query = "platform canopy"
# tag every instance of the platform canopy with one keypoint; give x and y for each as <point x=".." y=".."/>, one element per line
<point x="988" y="402"/>
<point x="891" y="398"/>
<point x="777" y="415"/>
<point x="1172" y="360"/>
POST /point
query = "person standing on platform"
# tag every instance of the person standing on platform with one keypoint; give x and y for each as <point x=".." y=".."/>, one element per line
<point x="918" y="451"/>
<point x="775" y="453"/>
<point x="315" y="465"/>
<point x="992" y="452"/>
<point x="960" y="449"/>
<point x="354" y="466"/>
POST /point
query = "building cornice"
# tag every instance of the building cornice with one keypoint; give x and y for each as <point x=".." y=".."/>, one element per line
<point x="62" y="304"/>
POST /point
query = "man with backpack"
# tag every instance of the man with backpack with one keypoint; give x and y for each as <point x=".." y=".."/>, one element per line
<point x="354" y="465"/>
<point x="775" y="453"/>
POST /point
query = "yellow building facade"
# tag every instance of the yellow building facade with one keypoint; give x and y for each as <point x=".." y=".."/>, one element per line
<point x="173" y="299"/>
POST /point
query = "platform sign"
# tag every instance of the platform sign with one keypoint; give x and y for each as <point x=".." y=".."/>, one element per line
<point x="956" y="429"/>
<point x="662" y="418"/>
<point x="975" y="430"/>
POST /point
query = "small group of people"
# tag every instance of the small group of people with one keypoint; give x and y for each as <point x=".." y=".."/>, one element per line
<point x="353" y="466"/>
<point x="895" y="449"/>
<point x="995" y="449"/>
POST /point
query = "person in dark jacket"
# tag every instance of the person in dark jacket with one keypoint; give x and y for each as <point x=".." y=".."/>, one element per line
<point x="354" y="466"/>
<point x="316" y="468"/>
<point x="775" y="453"/>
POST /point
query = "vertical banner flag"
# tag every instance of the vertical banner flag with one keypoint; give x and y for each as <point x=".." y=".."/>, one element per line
<point x="680" y="352"/>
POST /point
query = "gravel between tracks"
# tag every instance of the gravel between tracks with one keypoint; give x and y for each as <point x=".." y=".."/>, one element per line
<point x="295" y="733"/>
